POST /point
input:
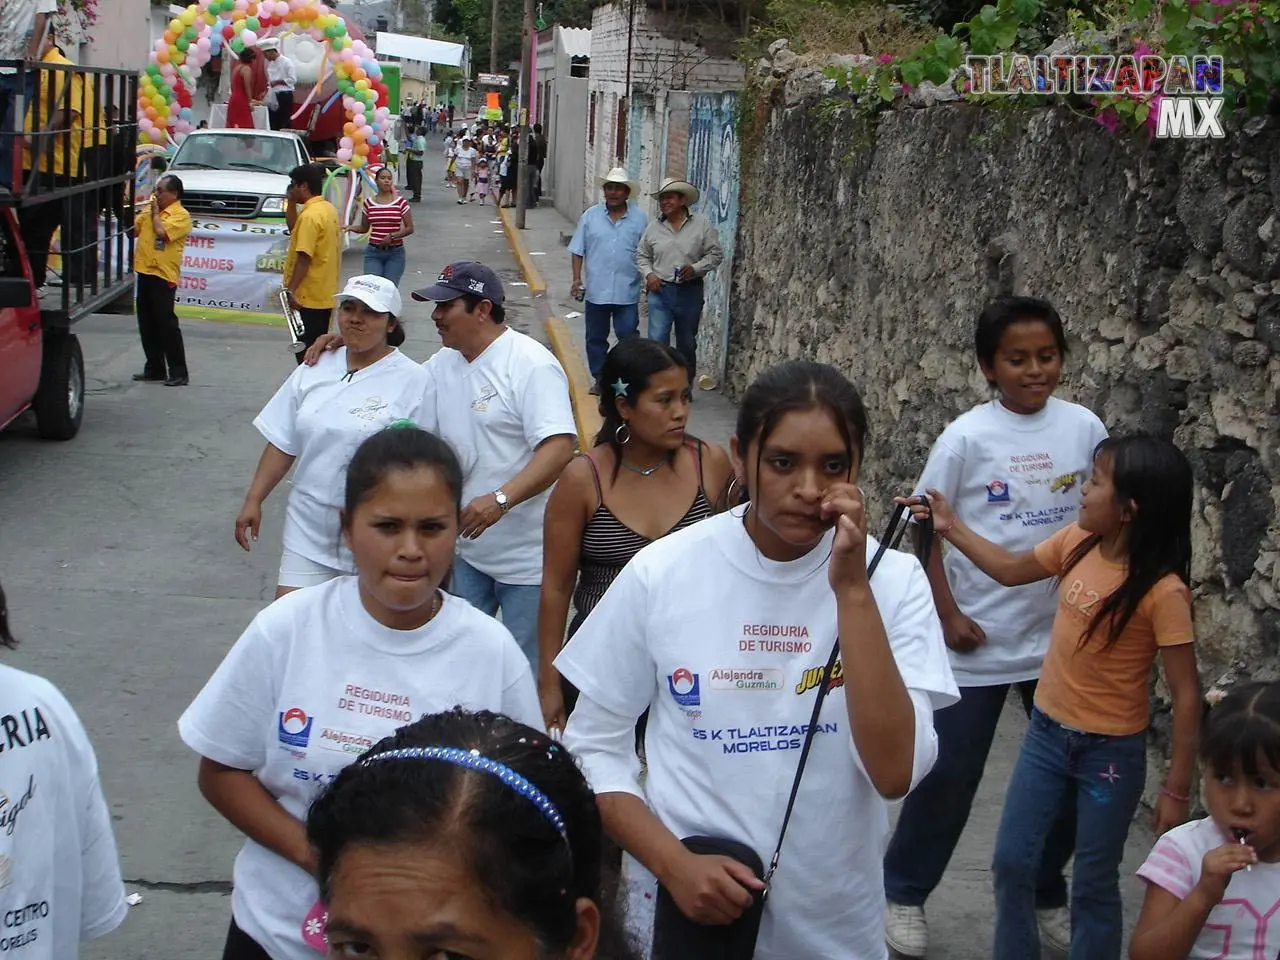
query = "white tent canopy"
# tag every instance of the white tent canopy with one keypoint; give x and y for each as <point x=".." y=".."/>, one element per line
<point x="420" y="49"/>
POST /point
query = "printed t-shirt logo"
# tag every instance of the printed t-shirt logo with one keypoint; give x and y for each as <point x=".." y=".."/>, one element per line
<point x="295" y="727"/>
<point x="745" y="678"/>
<point x="812" y="676"/>
<point x="685" y="688"/>
<point x="997" y="492"/>
<point x="1064" y="483"/>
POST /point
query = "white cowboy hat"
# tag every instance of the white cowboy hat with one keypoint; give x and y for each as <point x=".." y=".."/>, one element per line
<point x="682" y="187"/>
<point x="619" y="175"/>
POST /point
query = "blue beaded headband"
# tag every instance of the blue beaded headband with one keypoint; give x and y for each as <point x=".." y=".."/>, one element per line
<point x="473" y="760"/>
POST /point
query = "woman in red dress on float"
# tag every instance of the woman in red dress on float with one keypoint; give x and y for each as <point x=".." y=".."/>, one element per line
<point x="243" y="85"/>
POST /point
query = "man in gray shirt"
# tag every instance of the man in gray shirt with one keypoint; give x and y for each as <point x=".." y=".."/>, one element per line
<point x="675" y="253"/>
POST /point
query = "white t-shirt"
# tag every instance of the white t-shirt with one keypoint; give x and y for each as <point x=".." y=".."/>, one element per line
<point x="465" y="157"/>
<point x="59" y="871"/>
<point x="320" y="416"/>
<point x="1014" y="479"/>
<point x="1246" y="924"/>
<point x="726" y="648"/>
<point x="314" y="682"/>
<point x="495" y="412"/>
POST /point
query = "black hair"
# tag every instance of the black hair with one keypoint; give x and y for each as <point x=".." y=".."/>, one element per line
<point x="7" y="638"/>
<point x="310" y="175"/>
<point x="399" y="448"/>
<point x="1243" y="729"/>
<point x="1155" y="477"/>
<point x="633" y="362"/>
<point x="246" y="55"/>
<point x="801" y="385"/>
<point x="519" y="860"/>
<point x="1001" y="313"/>
<point x="174" y="184"/>
<point x="473" y="300"/>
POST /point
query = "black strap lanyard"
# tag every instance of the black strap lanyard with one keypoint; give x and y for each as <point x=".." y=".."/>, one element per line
<point x="899" y="522"/>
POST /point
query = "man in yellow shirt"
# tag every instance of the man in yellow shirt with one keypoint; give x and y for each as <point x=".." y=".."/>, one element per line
<point x="313" y="265"/>
<point x="162" y="230"/>
<point x="55" y="128"/>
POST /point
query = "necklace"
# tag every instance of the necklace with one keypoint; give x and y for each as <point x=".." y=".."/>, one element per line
<point x="643" y="471"/>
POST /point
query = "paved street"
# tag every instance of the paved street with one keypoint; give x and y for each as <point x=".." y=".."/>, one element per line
<point x="127" y="588"/>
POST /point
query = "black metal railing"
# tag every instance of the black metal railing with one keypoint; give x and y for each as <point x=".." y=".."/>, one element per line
<point x="68" y="138"/>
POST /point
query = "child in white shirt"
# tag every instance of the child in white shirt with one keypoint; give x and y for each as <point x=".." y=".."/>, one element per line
<point x="1013" y="468"/>
<point x="1213" y="885"/>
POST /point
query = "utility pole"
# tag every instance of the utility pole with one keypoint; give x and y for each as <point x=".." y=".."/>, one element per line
<point x="526" y="91"/>
<point x="493" y="40"/>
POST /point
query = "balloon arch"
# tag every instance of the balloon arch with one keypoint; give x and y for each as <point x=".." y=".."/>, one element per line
<point x="205" y="27"/>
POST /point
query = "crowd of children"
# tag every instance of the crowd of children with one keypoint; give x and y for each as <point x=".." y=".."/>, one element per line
<point x="1066" y="579"/>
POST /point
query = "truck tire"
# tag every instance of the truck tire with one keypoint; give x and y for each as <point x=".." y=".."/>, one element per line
<point x="59" y="403"/>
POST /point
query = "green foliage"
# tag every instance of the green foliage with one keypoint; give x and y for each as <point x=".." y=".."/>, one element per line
<point x="1245" y="34"/>
<point x="473" y="20"/>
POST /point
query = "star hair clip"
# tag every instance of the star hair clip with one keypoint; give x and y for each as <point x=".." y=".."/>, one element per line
<point x="620" y="387"/>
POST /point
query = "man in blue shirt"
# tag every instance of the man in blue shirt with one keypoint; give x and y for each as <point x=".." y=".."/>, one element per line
<point x="605" y="242"/>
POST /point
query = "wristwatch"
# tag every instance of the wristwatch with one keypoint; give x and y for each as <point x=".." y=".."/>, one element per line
<point x="503" y="503"/>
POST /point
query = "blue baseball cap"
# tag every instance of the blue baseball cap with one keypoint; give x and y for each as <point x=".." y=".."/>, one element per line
<point x="466" y="277"/>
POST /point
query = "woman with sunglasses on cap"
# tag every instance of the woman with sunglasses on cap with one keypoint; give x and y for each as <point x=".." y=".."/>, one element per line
<point x="323" y="674"/>
<point x="318" y="417"/>
<point x="387" y="219"/>
<point x="463" y="835"/>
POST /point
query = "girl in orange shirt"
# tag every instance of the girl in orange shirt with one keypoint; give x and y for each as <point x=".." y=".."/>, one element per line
<point x="1123" y="572"/>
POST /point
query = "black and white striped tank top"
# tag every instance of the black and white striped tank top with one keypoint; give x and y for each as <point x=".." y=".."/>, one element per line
<point x="608" y="544"/>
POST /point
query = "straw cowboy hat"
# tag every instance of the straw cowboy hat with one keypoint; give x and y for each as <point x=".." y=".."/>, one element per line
<point x="682" y="187"/>
<point x="619" y="175"/>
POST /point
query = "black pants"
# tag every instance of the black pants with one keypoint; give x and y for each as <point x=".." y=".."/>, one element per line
<point x="282" y="115"/>
<point x="158" y="328"/>
<point x="413" y="173"/>
<point x="316" y="322"/>
<point x="241" y="946"/>
<point x="39" y="222"/>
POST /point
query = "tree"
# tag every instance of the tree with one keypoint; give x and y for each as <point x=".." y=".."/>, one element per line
<point x="472" y="19"/>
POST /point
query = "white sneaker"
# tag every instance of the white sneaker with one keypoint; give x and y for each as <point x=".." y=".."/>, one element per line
<point x="905" y="930"/>
<point x="1055" y="928"/>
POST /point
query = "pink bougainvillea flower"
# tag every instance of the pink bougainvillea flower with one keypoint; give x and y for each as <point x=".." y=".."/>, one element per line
<point x="885" y="58"/>
<point x="1109" y="120"/>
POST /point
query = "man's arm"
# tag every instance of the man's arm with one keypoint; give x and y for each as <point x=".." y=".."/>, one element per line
<point x="301" y="264"/>
<point x="549" y="458"/>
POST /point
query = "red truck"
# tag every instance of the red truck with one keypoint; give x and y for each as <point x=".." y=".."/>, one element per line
<point x="41" y="365"/>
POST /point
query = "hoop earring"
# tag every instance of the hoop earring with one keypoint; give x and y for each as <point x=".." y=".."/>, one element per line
<point x="622" y="434"/>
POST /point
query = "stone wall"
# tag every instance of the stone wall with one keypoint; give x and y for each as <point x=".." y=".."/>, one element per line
<point x="875" y="251"/>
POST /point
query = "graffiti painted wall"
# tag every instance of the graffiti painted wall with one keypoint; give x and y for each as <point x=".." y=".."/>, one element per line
<point x="712" y="167"/>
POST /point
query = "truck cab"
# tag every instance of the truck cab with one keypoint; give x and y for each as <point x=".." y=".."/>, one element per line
<point x="91" y="268"/>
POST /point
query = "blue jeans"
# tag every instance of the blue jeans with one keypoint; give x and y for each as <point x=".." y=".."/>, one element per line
<point x="678" y="305"/>
<point x="1106" y="776"/>
<point x="385" y="263"/>
<point x="935" y="813"/>
<point x="626" y="325"/>
<point x="518" y="603"/>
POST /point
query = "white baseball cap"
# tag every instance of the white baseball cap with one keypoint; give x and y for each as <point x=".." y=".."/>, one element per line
<point x="377" y="293"/>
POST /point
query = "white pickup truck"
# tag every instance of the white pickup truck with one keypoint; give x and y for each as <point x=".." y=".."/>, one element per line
<point x="244" y="175"/>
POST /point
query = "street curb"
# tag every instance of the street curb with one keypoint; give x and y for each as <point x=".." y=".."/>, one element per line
<point x="586" y="412"/>
<point x="537" y="286"/>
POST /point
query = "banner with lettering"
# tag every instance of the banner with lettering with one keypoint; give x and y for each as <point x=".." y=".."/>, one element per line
<point x="232" y="269"/>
